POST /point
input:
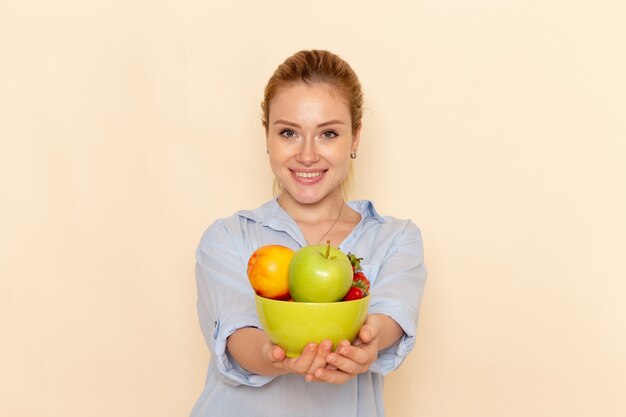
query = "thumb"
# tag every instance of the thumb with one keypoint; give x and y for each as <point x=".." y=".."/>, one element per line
<point x="277" y="353"/>
<point x="273" y="353"/>
<point x="368" y="333"/>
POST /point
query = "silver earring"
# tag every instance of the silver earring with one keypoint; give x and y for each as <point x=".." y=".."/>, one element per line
<point x="353" y="155"/>
<point x="267" y="151"/>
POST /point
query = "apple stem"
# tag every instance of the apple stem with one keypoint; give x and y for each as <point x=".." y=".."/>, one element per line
<point x="327" y="249"/>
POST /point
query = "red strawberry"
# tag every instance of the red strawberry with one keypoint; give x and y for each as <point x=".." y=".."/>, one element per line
<point x="360" y="284"/>
<point x="360" y="281"/>
<point x="356" y="262"/>
<point x="354" y="293"/>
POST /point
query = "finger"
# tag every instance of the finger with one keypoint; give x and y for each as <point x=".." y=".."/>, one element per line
<point x="273" y="353"/>
<point x="344" y="348"/>
<point x="353" y="359"/>
<point x="332" y="376"/>
<point x="368" y="333"/>
<point x="319" y="361"/>
<point x="302" y="363"/>
<point x="278" y="353"/>
<point x="343" y="343"/>
<point x="360" y="355"/>
<point x="345" y="364"/>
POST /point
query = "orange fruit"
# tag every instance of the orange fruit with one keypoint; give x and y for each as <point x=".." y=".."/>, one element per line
<point x="268" y="271"/>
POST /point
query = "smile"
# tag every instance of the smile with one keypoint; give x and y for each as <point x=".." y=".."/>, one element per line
<point x="308" y="177"/>
<point x="307" y="174"/>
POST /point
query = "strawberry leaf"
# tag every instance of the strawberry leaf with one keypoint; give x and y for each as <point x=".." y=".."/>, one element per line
<point x="356" y="262"/>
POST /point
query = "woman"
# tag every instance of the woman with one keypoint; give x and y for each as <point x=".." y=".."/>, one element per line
<point x="312" y="117"/>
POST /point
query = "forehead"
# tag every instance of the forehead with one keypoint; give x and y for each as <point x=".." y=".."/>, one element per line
<point x="301" y="101"/>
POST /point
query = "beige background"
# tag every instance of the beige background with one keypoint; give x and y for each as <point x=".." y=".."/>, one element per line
<point x="497" y="126"/>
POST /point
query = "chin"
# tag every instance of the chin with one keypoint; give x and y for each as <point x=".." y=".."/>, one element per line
<point x="307" y="197"/>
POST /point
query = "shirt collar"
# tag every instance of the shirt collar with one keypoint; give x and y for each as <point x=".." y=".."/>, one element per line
<point x="366" y="209"/>
<point x="272" y="214"/>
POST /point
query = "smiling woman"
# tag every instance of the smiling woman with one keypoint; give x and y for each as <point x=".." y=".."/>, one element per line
<point x="309" y="141"/>
<point x="312" y="119"/>
<point x="321" y="69"/>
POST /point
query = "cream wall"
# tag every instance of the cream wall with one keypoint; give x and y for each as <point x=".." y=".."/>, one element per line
<point x="497" y="126"/>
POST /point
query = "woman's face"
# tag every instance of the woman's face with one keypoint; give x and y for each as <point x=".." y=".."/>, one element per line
<point x="309" y="140"/>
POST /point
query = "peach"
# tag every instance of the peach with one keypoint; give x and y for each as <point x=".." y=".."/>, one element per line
<point x="268" y="271"/>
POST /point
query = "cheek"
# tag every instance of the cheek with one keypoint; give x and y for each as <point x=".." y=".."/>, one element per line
<point x="340" y="156"/>
<point x="345" y="168"/>
<point x="279" y="148"/>
<point x="278" y="161"/>
<point x="341" y="166"/>
<point x="274" y="164"/>
<point x="277" y="153"/>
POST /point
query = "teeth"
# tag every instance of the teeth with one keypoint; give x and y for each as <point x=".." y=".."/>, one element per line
<point x="308" y="174"/>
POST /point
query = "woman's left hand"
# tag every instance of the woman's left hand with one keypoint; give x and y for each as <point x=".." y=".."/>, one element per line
<point x="348" y="360"/>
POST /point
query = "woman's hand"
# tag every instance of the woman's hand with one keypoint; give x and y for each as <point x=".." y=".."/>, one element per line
<point x="348" y="360"/>
<point x="313" y="357"/>
<point x="253" y="350"/>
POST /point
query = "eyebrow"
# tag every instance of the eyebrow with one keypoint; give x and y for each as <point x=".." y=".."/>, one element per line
<point x="328" y="123"/>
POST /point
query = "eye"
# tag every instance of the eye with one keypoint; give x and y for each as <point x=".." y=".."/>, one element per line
<point x="329" y="134"/>
<point x="287" y="133"/>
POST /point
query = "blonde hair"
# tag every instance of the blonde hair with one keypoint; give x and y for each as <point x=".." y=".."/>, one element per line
<point x="317" y="67"/>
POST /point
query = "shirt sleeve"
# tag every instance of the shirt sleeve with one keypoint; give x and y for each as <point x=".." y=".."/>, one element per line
<point x="225" y="300"/>
<point x="397" y="292"/>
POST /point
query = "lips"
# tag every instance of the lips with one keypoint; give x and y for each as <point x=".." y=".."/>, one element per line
<point x="308" y="177"/>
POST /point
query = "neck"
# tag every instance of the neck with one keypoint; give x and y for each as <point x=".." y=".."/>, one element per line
<point x="323" y="210"/>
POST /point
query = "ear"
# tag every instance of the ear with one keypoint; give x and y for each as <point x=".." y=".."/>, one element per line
<point x="356" y="137"/>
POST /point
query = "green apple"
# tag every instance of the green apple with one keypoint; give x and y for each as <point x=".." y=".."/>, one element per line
<point x="319" y="274"/>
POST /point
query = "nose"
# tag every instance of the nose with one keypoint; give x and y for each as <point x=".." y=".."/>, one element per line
<point x="307" y="154"/>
